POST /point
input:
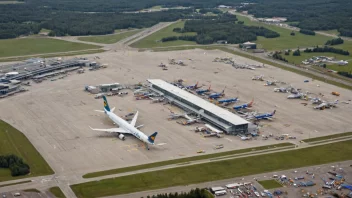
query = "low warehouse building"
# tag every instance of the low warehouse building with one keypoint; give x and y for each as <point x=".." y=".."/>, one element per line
<point x="217" y="116"/>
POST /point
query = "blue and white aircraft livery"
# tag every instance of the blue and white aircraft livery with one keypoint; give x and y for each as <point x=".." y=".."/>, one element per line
<point x="125" y="127"/>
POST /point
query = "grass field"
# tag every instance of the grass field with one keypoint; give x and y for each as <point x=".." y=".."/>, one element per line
<point x="10" y="2"/>
<point x="32" y="190"/>
<point x="336" y="67"/>
<point x="286" y="41"/>
<point x="28" y="46"/>
<point x="13" y="141"/>
<point x="153" y="40"/>
<point x="334" y="32"/>
<point x="270" y="184"/>
<point x="109" y="39"/>
<point x="226" y="169"/>
<point x="183" y="160"/>
<point x="22" y="182"/>
<point x="339" y="135"/>
<point x="57" y="192"/>
<point x="93" y="51"/>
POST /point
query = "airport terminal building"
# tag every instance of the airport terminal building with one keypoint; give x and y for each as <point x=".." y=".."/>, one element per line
<point x="217" y="116"/>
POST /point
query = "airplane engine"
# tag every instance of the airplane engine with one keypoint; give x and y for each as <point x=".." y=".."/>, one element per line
<point x="122" y="137"/>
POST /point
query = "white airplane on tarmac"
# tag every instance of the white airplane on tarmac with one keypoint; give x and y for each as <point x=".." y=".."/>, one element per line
<point x="125" y="127"/>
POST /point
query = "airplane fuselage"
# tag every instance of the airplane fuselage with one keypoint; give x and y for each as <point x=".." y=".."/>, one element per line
<point x="128" y="127"/>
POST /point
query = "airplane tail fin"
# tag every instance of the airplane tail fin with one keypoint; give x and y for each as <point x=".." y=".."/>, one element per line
<point x="209" y="87"/>
<point x="273" y="112"/>
<point x="106" y="105"/>
<point x="152" y="137"/>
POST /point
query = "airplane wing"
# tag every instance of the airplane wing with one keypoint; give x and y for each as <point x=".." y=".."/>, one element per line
<point x="134" y="120"/>
<point x="112" y="130"/>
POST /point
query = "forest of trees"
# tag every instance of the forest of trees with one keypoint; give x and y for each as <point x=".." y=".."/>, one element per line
<point x="311" y="15"/>
<point x="194" y="193"/>
<point x="15" y="164"/>
<point x="307" y="32"/>
<point x="278" y="56"/>
<point x="223" y="28"/>
<point x="334" y="41"/>
<point x="327" y="49"/>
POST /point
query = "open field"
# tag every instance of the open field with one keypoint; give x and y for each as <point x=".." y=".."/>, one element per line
<point x="286" y="41"/>
<point x="75" y="53"/>
<point x="269" y="184"/>
<point x="22" y="182"/>
<point x="55" y="116"/>
<point x="14" y="142"/>
<point x="109" y="39"/>
<point x="336" y="67"/>
<point x="184" y="160"/>
<point x="216" y="170"/>
<point x="10" y="2"/>
<point x="57" y="192"/>
<point x="328" y="137"/>
<point x="28" y="46"/>
<point x="153" y="40"/>
<point x="335" y="32"/>
<point x="32" y="190"/>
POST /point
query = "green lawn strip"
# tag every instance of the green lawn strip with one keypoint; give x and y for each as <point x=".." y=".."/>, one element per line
<point x="270" y="184"/>
<point x="304" y="56"/>
<point x="182" y="160"/>
<point x="22" y="182"/>
<point x="153" y="40"/>
<point x="328" y="137"/>
<point x="94" y="51"/>
<point x="13" y="141"/>
<point x="213" y="171"/>
<point x="32" y="190"/>
<point x="29" y="46"/>
<point x="57" y="192"/>
<point x="109" y="39"/>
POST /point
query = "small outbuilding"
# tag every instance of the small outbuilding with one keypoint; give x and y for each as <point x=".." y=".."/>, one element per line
<point x="248" y="45"/>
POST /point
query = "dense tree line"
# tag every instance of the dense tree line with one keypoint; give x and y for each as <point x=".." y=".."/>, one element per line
<point x="307" y="32"/>
<point x="312" y="14"/>
<point x="346" y="74"/>
<point x="334" y="41"/>
<point x="194" y="193"/>
<point x="14" y="23"/>
<point x="224" y="28"/>
<point x="15" y="164"/>
<point x="345" y="32"/>
<point x="278" y="56"/>
<point x="327" y="49"/>
<point x="296" y="53"/>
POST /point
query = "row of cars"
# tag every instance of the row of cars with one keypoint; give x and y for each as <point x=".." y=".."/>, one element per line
<point x="240" y="190"/>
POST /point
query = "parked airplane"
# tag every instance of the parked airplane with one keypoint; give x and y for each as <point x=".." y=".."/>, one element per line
<point x="265" y="116"/>
<point x="244" y="106"/>
<point x="217" y="95"/>
<point x="190" y="120"/>
<point x="325" y="105"/>
<point x="202" y="91"/>
<point x="125" y="127"/>
<point x="193" y="87"/>
<point x="228" y="101"/>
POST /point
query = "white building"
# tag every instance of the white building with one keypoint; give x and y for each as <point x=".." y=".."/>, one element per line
<point x="219" y="117"/>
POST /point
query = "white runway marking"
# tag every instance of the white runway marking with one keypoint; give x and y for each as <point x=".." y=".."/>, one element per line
<point x="229" y="139"/>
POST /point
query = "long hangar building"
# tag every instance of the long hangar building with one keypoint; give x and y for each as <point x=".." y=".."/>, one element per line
<point x="219" y="117"/>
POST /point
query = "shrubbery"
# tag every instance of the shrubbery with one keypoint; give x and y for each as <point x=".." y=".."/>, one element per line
<point x="15" y="164"/>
